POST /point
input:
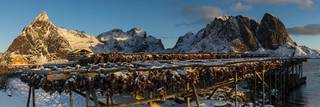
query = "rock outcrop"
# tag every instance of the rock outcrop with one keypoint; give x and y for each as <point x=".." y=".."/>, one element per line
<point x="272" y="33"/>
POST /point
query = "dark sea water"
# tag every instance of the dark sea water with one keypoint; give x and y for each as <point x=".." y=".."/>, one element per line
<point x="308" y="95"/>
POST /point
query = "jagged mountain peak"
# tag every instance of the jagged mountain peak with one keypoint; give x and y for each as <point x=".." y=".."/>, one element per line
<point x="116" y="30"/>
<point x="43" y="16"/>
<point x="269" y="16"/>
<point x="41" y="37"/>
<point x="272" y="33"/>
<point x="137" y="32"/>
<point x="132" y="41"/>
<point x="42" y="20"/>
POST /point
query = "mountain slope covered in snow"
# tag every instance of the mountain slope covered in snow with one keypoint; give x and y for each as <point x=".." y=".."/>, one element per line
<point x="43" y="38"/>
<point x="312" y="53"/>
<point x="133" y="41"/>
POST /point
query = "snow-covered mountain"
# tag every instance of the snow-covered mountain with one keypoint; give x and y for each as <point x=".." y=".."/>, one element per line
<point x="43" y="38"/>
<point x="241" y="34"/>
<point x="312" y="53"/>
<point x="133" y="41"/>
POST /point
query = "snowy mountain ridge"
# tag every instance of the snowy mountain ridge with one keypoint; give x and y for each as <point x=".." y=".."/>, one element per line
<point x="241" y="34"/>
<point x="133" y="41"/>
<point x="312" y="53"/>
<point x="42" y="39"/>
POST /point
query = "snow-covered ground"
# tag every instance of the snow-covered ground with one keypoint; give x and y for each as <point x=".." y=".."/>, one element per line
<point x="17" y="93"/>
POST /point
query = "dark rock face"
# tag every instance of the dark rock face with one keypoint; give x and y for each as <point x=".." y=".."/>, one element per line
<point x="40" y="37"/>
<point x="272" y="33"/>
<point x="247" y="29"/>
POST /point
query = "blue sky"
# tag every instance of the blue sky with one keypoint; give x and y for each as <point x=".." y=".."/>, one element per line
<point x="165" y="19"/>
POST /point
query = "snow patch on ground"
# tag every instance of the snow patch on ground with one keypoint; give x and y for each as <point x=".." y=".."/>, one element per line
<point x="19" y="94"/>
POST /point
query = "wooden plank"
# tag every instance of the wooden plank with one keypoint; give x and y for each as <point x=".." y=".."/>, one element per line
<point x="66" y="76"/>
<point x="87" y="96"/>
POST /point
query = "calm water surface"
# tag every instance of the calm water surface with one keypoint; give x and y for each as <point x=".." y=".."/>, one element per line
<point x="308" y="95"/>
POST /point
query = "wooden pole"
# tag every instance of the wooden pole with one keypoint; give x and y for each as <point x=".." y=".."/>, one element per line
<point x="255" y="88"/>
<point x="235" y="90"/>
<point x="150" y="96"/>
<point x="188" y="98"/>
<point x="107" y="99"/>
<point x="29" y="95"/>
<point x="96" y="102"/>
<point x="87" y="98"/>
<point x="214" y="91"/>
<point x="263" y="90"/>
<point x="196" y="94"/>
<point x="70" y="99"/>
<point x="270" y="85"/>
<point x="33" y="98"/>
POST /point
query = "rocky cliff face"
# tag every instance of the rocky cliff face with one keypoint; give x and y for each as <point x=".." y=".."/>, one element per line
<point x="272" y="33"/>
<point x="240" y="34"/>
<point x="133" y="41"/>
<point x="43" y="38"/>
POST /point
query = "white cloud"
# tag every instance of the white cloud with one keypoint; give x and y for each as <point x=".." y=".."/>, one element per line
<point x="309" y="29"/>
<point x="239" y="6"/>
<point x="203" y="15"/>
<point x="303" y="3"/>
